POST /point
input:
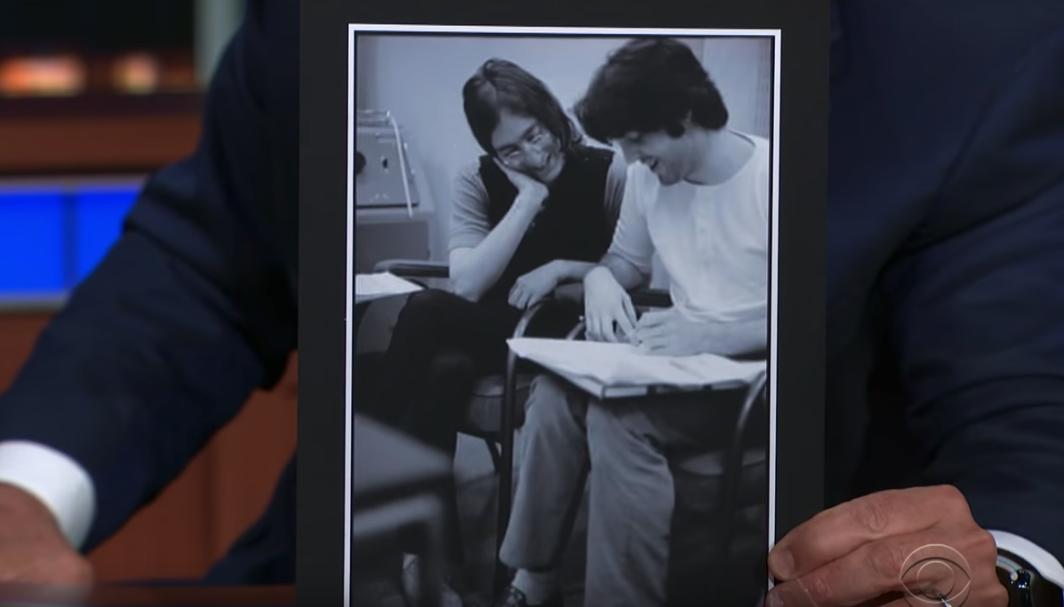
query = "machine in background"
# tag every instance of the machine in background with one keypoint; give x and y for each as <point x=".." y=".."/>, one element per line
<point x="394" y="209"/>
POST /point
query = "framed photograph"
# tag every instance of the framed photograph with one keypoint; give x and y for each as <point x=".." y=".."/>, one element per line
<point x="561" y="302"/>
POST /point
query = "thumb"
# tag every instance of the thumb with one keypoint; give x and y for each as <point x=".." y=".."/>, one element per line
<point x="629" y="309"/>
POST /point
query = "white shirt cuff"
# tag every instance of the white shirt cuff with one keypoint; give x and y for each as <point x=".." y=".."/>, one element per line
<point x="56" y="480"/>
<point x="1046" y="564"/>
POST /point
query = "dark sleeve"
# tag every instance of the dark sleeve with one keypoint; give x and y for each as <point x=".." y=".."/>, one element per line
<point x="190" y="311"/>
<point x="978" y="312"/>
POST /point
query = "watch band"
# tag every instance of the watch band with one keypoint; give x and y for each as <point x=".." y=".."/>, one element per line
<point x="1025" y="586"/>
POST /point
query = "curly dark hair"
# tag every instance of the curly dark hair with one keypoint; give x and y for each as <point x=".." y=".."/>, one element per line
<point x="650" y="85"/>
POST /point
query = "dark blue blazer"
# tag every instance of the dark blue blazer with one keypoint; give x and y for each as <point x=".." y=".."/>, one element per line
<point x="945" y="276"/>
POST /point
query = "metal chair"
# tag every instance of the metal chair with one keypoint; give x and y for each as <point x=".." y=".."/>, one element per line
<point x="496" y="406"/>
<point x="728" y="465"/>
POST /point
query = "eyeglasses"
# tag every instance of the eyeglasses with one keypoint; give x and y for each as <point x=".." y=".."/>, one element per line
<point x="537" y="139"/>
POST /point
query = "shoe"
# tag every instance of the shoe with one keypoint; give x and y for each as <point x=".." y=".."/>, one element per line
<point x="512" y="597"/>
<point x="410" y="583"/>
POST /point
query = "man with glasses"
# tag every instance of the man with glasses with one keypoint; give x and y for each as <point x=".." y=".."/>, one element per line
<point x="537" y="210"/>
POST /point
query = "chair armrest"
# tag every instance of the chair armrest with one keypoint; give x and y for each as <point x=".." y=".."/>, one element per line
<point x="573" y="293"/>
<point x="558" y="313"/>
<point x="651" y="298"/>
<point x="570" y="293"/>
<point x="413" y="268"/>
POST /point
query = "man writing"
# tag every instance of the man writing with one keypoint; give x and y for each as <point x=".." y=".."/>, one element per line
<point x="697" y="194"/>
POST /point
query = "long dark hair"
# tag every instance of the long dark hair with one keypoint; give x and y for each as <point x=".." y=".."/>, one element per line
<point x="503" y="85"/>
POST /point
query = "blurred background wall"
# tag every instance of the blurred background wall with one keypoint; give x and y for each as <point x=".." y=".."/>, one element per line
<point x="94" y="95"/>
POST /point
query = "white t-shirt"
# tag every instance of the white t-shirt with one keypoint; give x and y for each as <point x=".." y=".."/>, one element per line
<point x="712" y="241"/>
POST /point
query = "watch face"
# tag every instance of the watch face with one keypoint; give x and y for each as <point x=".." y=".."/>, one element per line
<point x="1008" y="578"/>
<point x="1028" y="589"/>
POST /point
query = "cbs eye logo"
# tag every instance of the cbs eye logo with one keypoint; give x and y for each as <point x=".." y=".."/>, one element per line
<point x="935" y="574"/>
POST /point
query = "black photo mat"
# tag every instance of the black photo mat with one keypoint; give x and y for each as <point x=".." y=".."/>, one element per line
<point x="786" y="104"/>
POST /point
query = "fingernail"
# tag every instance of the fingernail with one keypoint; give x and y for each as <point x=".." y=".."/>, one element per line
<point x="788" y="595"/>
<point x="782" y="564"/>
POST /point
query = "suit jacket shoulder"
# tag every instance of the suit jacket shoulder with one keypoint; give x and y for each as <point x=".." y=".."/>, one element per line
<point x="946" y="345"/>
<point x="195" y="305"/>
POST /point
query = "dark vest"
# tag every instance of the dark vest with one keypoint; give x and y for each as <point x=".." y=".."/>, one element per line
<point x="574" y="223"/>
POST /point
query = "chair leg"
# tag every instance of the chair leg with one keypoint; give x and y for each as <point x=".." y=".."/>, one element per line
<point x="506" y="470"/>
<point x="496" y="458"/>
<point x="502" y="572"/>
<point x="731" y="479"/>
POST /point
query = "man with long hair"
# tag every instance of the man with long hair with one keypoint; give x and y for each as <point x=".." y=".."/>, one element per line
<point x="536" y="210"/>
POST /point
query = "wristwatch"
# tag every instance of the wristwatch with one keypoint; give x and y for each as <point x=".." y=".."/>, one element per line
<point x="1026" y="587"/>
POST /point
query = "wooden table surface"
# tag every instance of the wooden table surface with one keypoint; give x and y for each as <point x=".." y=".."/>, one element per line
<point x="148" y="596"/>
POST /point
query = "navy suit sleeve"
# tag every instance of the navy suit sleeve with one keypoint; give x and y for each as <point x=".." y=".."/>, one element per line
<point x="978" y="311"/>
<point x="190" y="311"/>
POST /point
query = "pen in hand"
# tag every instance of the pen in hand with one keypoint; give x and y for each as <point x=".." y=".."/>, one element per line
<point x="632" y="337"/>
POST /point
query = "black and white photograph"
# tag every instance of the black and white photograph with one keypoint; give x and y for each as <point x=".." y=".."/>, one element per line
<point x="562" y="313"/>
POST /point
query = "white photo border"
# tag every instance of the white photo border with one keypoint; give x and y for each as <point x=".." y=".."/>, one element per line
<point x="356" y="28"/>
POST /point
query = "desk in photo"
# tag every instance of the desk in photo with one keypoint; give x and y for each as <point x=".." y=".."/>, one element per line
<point x="751" y="387"/>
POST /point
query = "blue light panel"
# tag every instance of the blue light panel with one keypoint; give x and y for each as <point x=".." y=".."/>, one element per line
<point x="31" y="242"/>
<point x="52" y="237"/>
<point x="100" y="213"/>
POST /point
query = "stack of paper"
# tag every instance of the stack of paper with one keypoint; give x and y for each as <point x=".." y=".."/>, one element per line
<point x="384" y="284"/>
<point x="615" y="369"/>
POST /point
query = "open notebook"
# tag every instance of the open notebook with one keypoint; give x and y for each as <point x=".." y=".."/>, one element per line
<point x="376" y="286"/>
<point x="609" y="370"/>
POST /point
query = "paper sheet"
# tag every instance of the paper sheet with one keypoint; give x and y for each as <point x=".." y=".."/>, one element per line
<point x="613" y="364"/>
<point x="383" y="284"/>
